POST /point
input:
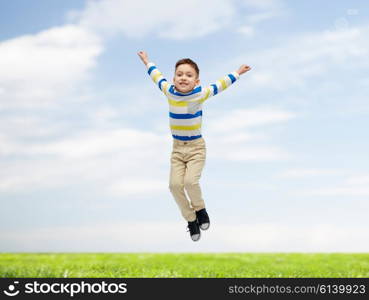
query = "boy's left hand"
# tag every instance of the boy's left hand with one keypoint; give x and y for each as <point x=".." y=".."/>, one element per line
<point x="243" y="69"/>
<point x="144" y="57"/>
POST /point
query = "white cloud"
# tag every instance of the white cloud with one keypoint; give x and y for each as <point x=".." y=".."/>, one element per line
<point x="231" y="137"/>
<point x="89" y="157"/>
<point x="263" y="4"/>
<point x="246" y="30"/>
<point x="89" y="144"/>
<point x="301" y="173"/>
<point x="353" y="186"/>
<point x="97" y="143"/>
<point x="259" y="17"/>
<point x="141" y="186"/>
<point x="247" y="153"/>
<point x="18" y="125"/>
<point x="160" y="18"/>
<point x="259" y="11"/>
<point x="163" y="19"/>
<point x="172" y="237"/>
<point x="339" y="191"/>
<point x="43" y="68"/>
<point x="358" y="180"/>
<point x="239" y="119"/>
<point x="238" y="137"/>
<point x="306" y="57"/>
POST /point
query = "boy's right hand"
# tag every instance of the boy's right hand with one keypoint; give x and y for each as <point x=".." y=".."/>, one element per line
<point x="243" y="69"/>
<point x="144" y="57"/>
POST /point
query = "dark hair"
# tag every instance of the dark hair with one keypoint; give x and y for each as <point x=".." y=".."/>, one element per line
<point x="189" y="62"/>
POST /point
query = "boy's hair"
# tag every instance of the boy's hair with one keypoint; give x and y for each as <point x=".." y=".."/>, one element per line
<point x="189" y="62"/>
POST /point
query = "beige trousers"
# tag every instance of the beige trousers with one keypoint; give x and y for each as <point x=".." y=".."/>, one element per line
<point x="187" y="162"/>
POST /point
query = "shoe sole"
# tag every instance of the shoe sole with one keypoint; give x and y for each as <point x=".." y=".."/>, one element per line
<point x="205" y="226"/>
<point x="197" y="239"/>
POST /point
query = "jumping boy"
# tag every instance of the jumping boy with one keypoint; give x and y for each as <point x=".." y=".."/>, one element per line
<point x="185" y="100"/>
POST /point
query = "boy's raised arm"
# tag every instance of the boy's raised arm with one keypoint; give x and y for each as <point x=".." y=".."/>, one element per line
<point x="154" y="72"/>
<point x="224" y="82"/>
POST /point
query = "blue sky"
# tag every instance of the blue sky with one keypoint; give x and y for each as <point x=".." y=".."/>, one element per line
<point x="85" y="140"/>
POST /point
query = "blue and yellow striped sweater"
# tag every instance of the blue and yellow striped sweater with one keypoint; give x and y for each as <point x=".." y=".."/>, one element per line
<point x="185" y="109"/>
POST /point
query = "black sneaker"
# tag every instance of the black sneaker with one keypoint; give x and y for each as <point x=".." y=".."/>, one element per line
<point x="193" y="228"/>
<point x="203" y="219"/>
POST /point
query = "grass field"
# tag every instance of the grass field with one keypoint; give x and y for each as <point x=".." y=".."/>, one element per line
<point x="184" y="265"/>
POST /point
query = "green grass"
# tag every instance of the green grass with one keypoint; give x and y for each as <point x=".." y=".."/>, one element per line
<point x="169" y="265"/>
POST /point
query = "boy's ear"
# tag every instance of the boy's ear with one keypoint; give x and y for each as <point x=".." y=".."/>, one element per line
<point x="197" y="81"/>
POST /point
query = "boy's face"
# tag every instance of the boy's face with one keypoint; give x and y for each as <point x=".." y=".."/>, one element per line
<point x="185" y="78"/>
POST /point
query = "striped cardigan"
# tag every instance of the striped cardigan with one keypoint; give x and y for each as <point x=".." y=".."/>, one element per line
<point x="185" y="109"/>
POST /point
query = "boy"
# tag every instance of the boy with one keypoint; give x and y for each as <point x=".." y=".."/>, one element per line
<point x="185" y="99"/>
